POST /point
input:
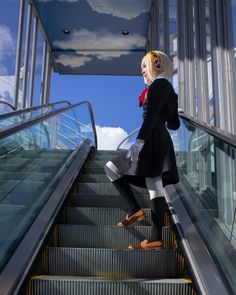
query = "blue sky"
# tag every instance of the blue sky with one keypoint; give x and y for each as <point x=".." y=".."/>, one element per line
<point x="114" y="100"/>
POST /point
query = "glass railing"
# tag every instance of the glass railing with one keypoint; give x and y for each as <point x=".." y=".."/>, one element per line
<point x="207" y="167"/>
<point x="33" y="159"/>
<point x="8" y="119"/>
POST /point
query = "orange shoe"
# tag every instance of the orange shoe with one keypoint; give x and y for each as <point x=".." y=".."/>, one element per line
<point x="157" y="245"/>
<point x="138" y="216"/>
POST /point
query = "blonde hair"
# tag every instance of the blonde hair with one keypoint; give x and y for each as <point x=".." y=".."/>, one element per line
<point x="158" y="64"/>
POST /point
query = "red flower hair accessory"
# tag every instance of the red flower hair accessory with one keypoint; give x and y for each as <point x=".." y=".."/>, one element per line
<point x="142" y="96"/>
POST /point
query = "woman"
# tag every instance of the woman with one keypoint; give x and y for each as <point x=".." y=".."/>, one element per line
<point x="150" y="162"/>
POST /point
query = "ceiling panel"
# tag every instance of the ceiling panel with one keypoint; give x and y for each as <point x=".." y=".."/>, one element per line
<point x="96" y="43"/>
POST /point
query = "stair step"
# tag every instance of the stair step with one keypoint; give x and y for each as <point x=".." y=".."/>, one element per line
<point x="113" y="263"/>
<point x="106" y="189"/>
<point x="101" y="216"/>
<point x="109" y="201"/>
<point x="92" y="170"/>
<point x="91" y="178"/>
<point x="103" y="236"/>
<point x="73" y="285"/>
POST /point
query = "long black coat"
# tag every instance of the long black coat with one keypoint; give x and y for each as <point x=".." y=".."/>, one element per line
<point x="157" y="157"/>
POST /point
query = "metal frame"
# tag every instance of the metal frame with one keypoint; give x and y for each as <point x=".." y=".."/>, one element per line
<point x="18" y="52"/>
<point x="44" y="60"/>
<point x="33" y="61"/>
<point x="26" y="57"/>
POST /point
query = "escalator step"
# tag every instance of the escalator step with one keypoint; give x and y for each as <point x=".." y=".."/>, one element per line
<point x="105" y="189"/>
<point x="101" y="216"/>
<point x="111" y="201"/>
<point x="91" y="178"/>
<point x="60" y="285"/>
<point x="108" y="263"/>
<point x="113" y="237"/>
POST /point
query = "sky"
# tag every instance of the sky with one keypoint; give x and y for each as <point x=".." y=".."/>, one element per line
<point x="114" y="100"/>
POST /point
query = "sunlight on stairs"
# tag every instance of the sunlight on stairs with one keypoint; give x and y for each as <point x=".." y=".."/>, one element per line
<point x="89" y="252"/>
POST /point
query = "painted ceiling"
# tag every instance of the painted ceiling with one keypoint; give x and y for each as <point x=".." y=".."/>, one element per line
<point x="96" y="37"/>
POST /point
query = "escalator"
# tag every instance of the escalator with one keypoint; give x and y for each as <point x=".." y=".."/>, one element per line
<point x="62" y="212"/>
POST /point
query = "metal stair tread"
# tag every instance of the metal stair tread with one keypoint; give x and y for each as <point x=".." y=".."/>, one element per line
<point x="91" y="279"/>
<point x="113" y="262"/>
<point x="107" y="236"/>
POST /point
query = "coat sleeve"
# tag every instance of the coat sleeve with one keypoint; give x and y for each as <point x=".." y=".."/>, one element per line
<point x="173" y="122"/>
<point x="157" y="96"/>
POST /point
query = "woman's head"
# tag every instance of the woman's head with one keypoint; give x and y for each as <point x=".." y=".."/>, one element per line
<point x="154" y="64"/>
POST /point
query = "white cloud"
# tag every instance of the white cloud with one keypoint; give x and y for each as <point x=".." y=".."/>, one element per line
<point x="88" y="40"/>
<point x="7" y="47"/>
<point x="123" y="8"/>
<point x="110" y="137"/>
<point x="72" y="61"/>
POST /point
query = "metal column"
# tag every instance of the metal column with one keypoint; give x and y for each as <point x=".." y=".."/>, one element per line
<point x="26" y="57"/>
<point x="18" y="52"/>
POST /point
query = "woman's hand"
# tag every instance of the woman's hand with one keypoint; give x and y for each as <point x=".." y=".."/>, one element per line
<point x="135" y="149"/>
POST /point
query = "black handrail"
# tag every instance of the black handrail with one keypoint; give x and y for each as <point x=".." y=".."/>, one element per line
<point x="227" y="137"/>
<point x="9" y="130"/>
<point x="22" y="111"/>
<point x="133" y="132"/>
<point x="8" y="104"/>
<point x="212" y="130"/>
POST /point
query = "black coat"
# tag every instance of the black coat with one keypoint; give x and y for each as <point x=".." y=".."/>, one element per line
<point x="157" y="157"/>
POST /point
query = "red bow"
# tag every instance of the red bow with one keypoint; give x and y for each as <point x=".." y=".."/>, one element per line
<point x="142" y="97"/>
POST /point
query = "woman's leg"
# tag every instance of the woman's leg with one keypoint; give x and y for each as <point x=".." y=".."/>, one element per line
<point x="158" y="206"/>
<point x="123" y="187"/>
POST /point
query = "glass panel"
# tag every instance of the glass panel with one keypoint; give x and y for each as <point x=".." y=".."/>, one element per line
<point x="9" y="16"/>
<point x="233" y="9"/>
<point x="13" y="119"/>
<point x="207" y="186"/>
<point x="173" y="40"/>
<point x="32" y="163"/>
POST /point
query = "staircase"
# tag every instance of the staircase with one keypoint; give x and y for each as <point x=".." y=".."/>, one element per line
<point x="89" y="252"/>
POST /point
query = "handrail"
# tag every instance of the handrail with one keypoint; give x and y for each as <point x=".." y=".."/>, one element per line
<point x="8" y="104"/>
<point x="22" y="125"/>
<point x="212" y="130"/>
<point x="18" y="112"/>
<point x="127" y="137"/>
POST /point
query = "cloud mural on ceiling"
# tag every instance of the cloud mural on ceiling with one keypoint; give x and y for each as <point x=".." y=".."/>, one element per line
<point x="74" y="61"/>
<point x="86" y="45"/>
<point x="89" y="40"/>
<point x="127" y="9"/>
